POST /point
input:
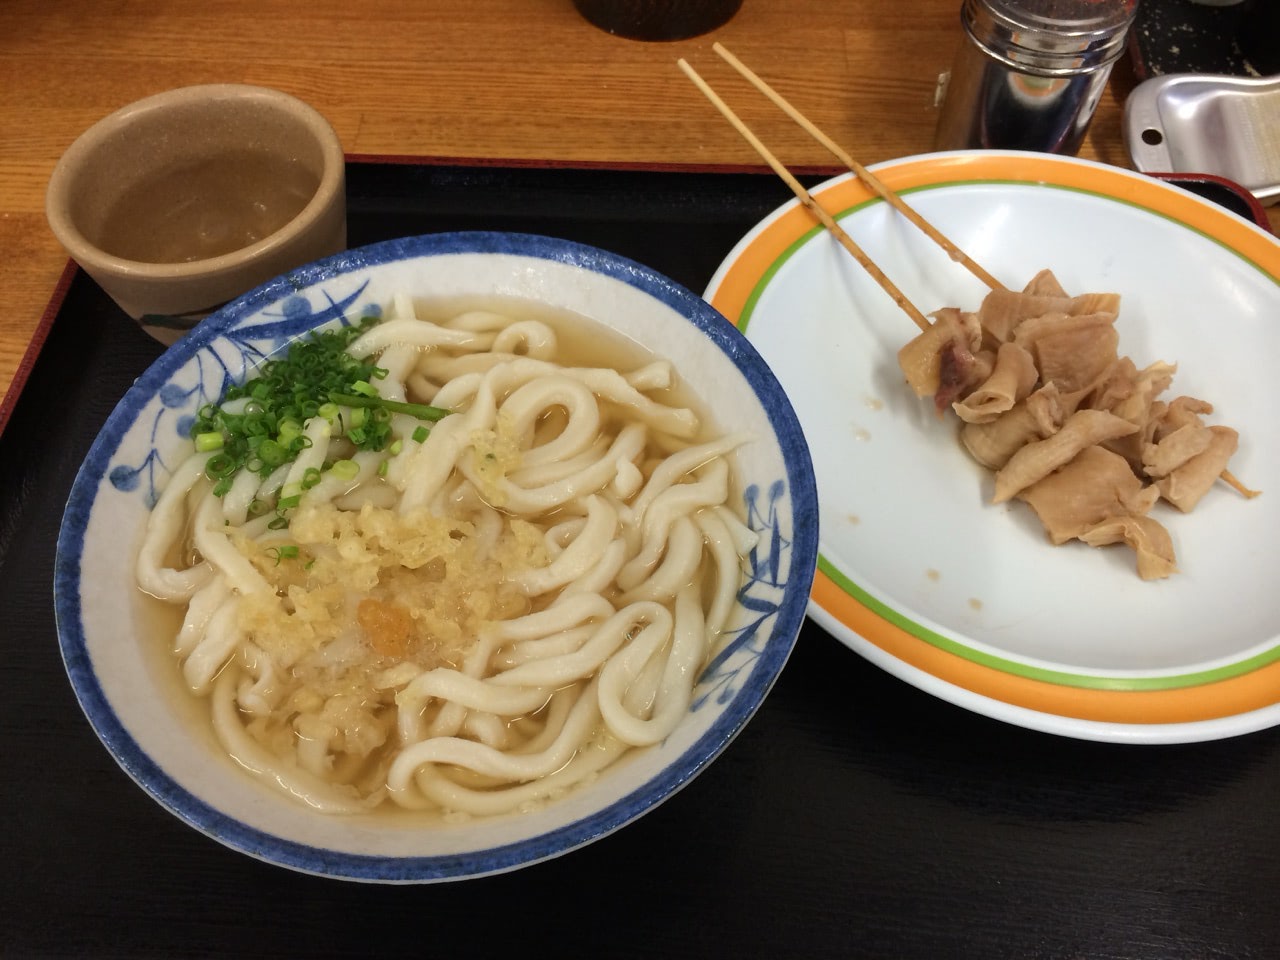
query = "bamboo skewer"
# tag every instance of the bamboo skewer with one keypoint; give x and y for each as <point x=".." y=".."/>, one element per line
<point x="866" y="176"/>
<point x="807" y="199"/>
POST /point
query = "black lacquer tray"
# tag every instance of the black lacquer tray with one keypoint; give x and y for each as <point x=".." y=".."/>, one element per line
<point x="856" y="816"/>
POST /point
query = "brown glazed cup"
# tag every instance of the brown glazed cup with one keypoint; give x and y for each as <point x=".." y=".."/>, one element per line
<point x="658" y="19"/>
<point x="167" y="150"/>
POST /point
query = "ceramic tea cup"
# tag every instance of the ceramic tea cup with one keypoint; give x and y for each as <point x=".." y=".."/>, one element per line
<point x="187" y="199"/>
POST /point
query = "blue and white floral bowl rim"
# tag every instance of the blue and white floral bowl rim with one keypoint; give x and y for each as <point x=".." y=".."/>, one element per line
<point x="128" y="694"/>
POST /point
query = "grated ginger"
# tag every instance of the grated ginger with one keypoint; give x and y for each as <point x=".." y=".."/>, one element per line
<point x="427" y="585"/>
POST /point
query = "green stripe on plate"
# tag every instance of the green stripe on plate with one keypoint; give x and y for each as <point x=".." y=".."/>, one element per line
<point x="1043" y="674"/>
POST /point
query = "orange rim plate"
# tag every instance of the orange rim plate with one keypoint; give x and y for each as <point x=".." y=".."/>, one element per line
<point x="918" y="571"/>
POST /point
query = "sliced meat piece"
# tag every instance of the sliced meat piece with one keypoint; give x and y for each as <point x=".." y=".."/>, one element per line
<point x="1178" y="413"/>
<point x="1115" y="386"/>
<point x="1037" y="460"/>
<point x="1073" y="351"/>
<point x="1012" y="379"/>
<point x="1174" y="449"/>
<point x="1045" y="284"/>
<point x="952" y="332"/>
<point x="994" y="442"/>
<point x="1188" y="483"/>
<point x="1149" y="540"/>
<point x="1003" y="311"/>
<point x="1096" y="485"/>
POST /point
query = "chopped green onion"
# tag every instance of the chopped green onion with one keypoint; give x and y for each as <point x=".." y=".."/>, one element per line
<point x="345" y="469"/>
<point x="271" y="453"/>
<point x="219" y="466"/>
<point x="258" y="425"/>
<point x="208" y="442"/>
<point x="288" y="430"/>
<point x="421" y="411"/>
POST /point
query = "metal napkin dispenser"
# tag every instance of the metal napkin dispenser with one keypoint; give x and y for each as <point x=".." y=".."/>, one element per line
<point x="1227" y="126"/>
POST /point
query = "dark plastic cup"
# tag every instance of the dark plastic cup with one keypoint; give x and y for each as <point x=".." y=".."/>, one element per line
<point x="658" y="19"/>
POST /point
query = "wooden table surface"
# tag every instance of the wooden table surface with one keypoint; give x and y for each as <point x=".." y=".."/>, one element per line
<point x="910" y="828"/>
<point x="507" y="79"/>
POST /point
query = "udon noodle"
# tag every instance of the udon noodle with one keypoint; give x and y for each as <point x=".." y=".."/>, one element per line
<point x="478" y="616"/>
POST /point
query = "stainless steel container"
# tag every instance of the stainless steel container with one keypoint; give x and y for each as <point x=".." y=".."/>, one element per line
<point x="1029" y="73"/>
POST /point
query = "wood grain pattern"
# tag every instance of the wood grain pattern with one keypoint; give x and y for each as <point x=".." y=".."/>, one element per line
<point x="509" y="79"/>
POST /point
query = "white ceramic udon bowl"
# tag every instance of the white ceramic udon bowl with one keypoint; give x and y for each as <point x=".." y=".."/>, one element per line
<point x="131" y="690"/>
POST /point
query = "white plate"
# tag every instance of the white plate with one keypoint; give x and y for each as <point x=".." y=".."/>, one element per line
<point x="918" y="571"/>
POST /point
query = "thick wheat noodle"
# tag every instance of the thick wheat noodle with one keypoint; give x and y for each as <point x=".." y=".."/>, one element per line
<point x="592" y="479"/>
<point x="578" y="724"/>
<point x="259" y="695"/>
<point x="725" y="548"/>
<point x="448" y="721"/>
<point x="409" y="331"/>
<point x="566" y="613"/>
<point x="711" y="487"/>
<point x="244" y="490"/>
<point x="529" y="402"/>
<point x="675" y="686"/>
<point x="566" y="641"/>
<point x="677" y="567"/>
<point x="436" y="787"/>
<point x="211" y="538"/>
<point x="596" y="581"/>
<point x="216" y="646"/>
<point x="470" y="692"/>
<point x="500" y="707"/>
<point x="553" y="471"/>
<point x="583" y="662"/>
<point x="203" y="604"/>
<point x="164" y="528"/>
<point x="310" y="789"/>
<point x="577" y="559"/>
